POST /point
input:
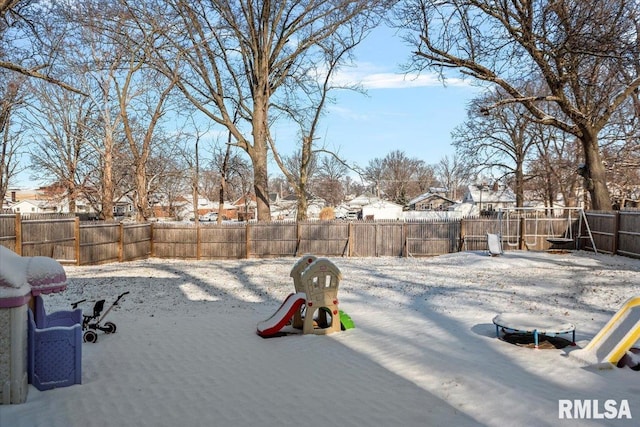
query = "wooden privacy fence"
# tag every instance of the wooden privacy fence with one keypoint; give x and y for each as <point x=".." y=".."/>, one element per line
<point x="616" y="232"/>
<point x="324" y="238"/>
<point x="68" y="240"/>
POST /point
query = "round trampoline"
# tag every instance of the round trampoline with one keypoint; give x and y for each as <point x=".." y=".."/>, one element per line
<point x="529" y="324"/>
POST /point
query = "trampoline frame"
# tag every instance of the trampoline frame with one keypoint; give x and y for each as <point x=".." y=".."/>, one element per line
<point x="536" y="331"/>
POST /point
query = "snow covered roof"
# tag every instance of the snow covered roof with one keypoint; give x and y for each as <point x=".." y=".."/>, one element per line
<point x="382" y="204"/>
<point x="21" y="277"/>
<point x="426" y="196"/>
<point x="490" y="194"/>
<point x="362" y="200"/>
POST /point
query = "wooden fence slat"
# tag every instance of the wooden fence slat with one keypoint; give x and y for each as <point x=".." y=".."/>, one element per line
<point x="69" y="240"/>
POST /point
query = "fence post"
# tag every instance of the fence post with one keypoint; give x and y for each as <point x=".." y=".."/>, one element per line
<point x="405" y="249"/>
<point x="121" y="242"/>
<point x="375" y="238"/>
<point x="523" y="224"/>
<point x="463" y="233"/>
<point x="248" y="240"/>
<point x="152" y="249"/>
<point x="616" y="232"/>
<point x="350" y="240"/>
<point x="76" y="238"/>
<point x="18" y="227"/>
<point x="198" y="249"/>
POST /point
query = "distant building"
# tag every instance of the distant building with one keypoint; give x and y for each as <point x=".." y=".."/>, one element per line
<point x="382" y="209"/>
<point x="488" y="199"/>
<point x="355" y="205"/>
<point x="433" y="200"/>
<point x="246" y="207"/>
<point x="286" y="208"/>
<point x="31" y="207"/>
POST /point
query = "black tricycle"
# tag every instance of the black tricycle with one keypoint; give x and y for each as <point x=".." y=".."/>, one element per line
<point x="93" y="322"/>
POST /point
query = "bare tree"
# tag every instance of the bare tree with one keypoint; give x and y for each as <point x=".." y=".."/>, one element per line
<point x="552" y="166"/>
<point x="299" y="169"/>
<point x="231" y="169"/>
<point x="404" y="177"/>
<point x="621" y="152"/>
<point x="11" y="141"/>
<point x="29" y="36"/>
<point x="499" y="141"/>
<point x="142" y="97"/>
<point x="330" y="174"/>
<point x="60" y="152"/>
<point x="352" y="187"/>
<point x="585" y="53"/>
<point x="373" y="173"/>
<point x="237" y="55"/>
<point x="308" y="97"/>
<point x="95" y="59"/>
<point x="399" y="177"/>
<point x="452" y="174"/>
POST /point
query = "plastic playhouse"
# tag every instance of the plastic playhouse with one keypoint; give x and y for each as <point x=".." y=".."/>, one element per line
<point x="313" y="308"/>
<point x="39" y="349"/>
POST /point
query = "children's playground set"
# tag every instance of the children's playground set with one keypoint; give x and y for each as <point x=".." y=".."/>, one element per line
<point x="313" y="307"/>
<point x="613" y="345"/>
<point x="45" y="349"/>
<point x="530" y="228"/>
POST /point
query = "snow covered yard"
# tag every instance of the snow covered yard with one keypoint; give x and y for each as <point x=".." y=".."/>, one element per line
<point x="423" y="353"/>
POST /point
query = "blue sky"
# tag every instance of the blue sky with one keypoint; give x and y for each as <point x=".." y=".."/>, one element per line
<point x="412" y="114"/>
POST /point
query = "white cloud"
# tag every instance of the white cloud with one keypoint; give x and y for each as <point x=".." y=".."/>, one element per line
<point x="347" y="113"/>
<point x="369" y="76"/>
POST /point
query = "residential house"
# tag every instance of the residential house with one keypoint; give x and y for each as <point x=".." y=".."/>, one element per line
<point x="356" y="204"/>
<point x="124" y="206"/>
<point x="382" y="209"/>
<point x="47" y="199"/>
<point x="183" y="207"/>
<point x="286" y="208"/>
<point x="246" y="207"/>
<point x="32" y="207"/>
<point x="433" y="200"/>
<point x="283" y="208"/>
<point x="488" y="199"/>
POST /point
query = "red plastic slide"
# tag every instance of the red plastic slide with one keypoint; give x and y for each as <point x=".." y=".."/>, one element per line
<point x="281" y="317"/>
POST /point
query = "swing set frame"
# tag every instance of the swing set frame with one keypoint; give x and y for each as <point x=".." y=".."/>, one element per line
<point x="519" y="237"/>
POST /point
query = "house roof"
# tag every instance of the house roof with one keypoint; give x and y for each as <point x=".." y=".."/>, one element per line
<point x="428" y="195"/>
<point x="241" y="201"/>
<point x="362" y="200"/>
<point x="490" y="194"/>
<point x="382" y="204"/>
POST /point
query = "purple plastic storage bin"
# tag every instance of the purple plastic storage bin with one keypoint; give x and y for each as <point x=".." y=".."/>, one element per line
<point x="55" y="355"/>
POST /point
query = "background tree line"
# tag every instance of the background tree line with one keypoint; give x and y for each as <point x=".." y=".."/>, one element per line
<point x="114" y="97"/>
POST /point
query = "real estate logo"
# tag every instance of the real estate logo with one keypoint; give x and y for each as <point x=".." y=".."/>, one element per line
<point x="593" y="409"/>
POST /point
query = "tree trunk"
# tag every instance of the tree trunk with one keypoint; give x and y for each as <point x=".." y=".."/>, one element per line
<point x="594" y="174"/>
<point x="223" y="187"/>
<point x="519" y="185"/>
<point x="108" y="190"/>
<point x="305" y="158"/>
<point x="260" y="185"/>
<point x="258" y="154"/>
<point x="71" y="196"/>
<point x="142" y="199"/>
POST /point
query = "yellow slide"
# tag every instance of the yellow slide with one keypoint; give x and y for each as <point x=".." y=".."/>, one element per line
<point x="615" y="338"/>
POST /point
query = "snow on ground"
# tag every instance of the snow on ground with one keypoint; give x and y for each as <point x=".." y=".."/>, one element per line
<point x="423" y="353"/>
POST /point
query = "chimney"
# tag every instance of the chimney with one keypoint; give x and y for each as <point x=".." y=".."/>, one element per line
<point x="13" y="196"/>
